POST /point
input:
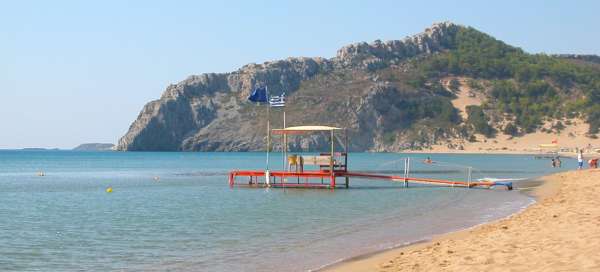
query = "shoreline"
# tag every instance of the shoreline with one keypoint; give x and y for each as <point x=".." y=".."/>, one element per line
<point x="499" y="152"/>
<point x="549" y="186"/>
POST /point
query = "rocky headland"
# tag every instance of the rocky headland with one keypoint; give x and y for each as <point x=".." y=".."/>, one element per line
<point x="390" y="95"/>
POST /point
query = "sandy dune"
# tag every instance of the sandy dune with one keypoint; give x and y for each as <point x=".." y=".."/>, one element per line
<point x="464" y="97"/>
<point x="559" y="233"/>
<point x="571" y="137"/>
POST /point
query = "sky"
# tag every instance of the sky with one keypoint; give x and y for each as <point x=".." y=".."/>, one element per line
<point x="75" y="72"/>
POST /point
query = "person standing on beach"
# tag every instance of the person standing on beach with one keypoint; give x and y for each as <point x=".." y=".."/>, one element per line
<point x="580" y="159"/>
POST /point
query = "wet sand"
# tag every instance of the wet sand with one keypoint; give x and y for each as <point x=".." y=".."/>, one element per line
<point x="561" y="232"/>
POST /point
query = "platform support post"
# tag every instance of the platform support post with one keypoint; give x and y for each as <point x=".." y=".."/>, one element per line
<point x="268" y="178"/>
<point x="347" y="182"/>
<point x="331" y="163"/>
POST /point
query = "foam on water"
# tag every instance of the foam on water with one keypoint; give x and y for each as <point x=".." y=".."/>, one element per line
<point x="501" y="179"/>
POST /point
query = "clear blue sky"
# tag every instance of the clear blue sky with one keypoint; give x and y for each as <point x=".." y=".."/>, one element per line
<point x="80" y="71"/>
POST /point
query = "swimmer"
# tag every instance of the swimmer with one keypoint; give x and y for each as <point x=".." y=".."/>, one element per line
<point x="428" y="161"/>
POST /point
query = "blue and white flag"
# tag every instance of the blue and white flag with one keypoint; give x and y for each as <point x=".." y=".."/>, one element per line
<point x="277" y="101"/>
<point x="259" y="95"/>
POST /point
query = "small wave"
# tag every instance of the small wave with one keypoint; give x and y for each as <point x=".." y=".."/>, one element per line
<point x="411" y="171"/>
<point x="490" y="171"/>
<point x="500" y="179"/>
<point x="203" y="174"/>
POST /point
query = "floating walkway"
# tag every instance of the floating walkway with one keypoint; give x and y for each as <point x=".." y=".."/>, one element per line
<point x="287" y="179"/>
<point x="330" y="166"/>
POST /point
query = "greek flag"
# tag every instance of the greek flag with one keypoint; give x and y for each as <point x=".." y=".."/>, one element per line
<point x="277" y="101"/>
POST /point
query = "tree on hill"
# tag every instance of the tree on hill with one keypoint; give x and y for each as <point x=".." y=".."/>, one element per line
<point x="454" y="85"/>
<point x="479" y="121"/>
<point x="511" y="129"/>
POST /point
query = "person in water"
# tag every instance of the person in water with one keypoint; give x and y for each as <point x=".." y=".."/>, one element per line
<point x="428" y="160"/>
<point x="553" y="163"/>
<point x="558" y="162"/>
<point x="593" y="163"/>
<point x="580" y="159"/>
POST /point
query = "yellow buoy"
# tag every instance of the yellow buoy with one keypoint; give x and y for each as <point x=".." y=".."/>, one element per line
<point x="109" y="190"/>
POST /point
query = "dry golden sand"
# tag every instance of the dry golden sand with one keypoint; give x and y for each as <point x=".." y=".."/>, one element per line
<point x="463" y="99"/>
<point x="573" y="136"/>
<point x="561" y="232"/>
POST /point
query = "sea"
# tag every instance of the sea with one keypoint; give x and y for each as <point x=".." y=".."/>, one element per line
<point x="174" y="211"/>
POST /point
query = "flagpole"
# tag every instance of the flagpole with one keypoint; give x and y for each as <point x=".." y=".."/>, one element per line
<point x="284" y="143"/>
<point x="267" y="175"/>
<point x="268" y="133"/>
<point x="285" y="162"/>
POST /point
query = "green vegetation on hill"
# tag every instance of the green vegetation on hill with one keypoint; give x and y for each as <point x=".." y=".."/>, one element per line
<point x="528" y="87"/>
<point x="479" y="121"/>
<point x="529" y="102"/>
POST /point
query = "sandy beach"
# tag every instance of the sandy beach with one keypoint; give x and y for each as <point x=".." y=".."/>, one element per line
<point x="560" y="232"/>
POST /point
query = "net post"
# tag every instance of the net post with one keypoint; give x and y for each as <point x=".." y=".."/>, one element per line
<point x="469" y="177"/>
<point x="406" y="170"/>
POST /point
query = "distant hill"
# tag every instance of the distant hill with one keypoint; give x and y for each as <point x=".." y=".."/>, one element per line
<point x="94" y="147"/>
<point x="449" y="84"/>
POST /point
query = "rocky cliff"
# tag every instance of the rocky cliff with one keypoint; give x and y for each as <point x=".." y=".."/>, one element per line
<point x="374" y="89"/>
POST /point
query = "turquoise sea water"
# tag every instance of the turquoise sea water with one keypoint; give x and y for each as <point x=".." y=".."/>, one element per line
<point x="190" y="220"/>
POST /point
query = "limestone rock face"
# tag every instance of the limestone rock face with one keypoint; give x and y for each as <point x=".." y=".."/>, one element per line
<point x="194" y="109"/>
<point x="378" y="53"/>
<point x="209" y="112"/>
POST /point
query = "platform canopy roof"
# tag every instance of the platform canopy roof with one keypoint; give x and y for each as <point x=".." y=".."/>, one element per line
<point x="303" y="129"/>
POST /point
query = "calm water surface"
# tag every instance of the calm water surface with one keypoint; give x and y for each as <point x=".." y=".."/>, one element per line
<point x="190" y="220"/>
